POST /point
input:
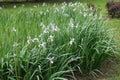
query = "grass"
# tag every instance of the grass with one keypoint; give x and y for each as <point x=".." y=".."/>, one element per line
<point x="115" y="25"/>
<point x="36" y="38"/>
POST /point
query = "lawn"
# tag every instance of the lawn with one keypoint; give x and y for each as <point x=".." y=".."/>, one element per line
<point x="51" y="41"/>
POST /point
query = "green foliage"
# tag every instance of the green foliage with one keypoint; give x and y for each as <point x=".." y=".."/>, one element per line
<point x="45" y="42"/>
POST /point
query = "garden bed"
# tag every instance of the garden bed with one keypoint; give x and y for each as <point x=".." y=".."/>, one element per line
<point x="44" y="42"/>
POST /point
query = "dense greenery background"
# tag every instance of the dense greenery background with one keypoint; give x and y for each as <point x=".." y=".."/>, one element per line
<point x="114" y="23"/>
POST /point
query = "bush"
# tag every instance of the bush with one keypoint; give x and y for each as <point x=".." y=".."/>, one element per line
<point x="53" y="41"/>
